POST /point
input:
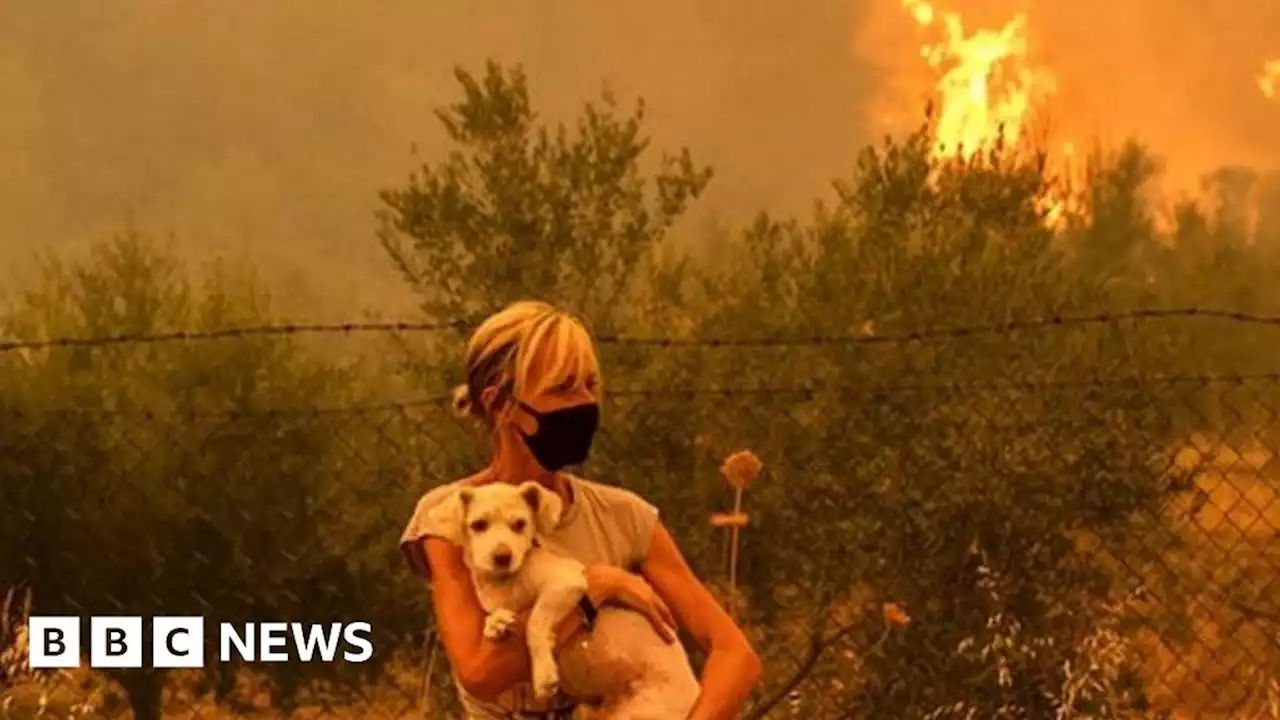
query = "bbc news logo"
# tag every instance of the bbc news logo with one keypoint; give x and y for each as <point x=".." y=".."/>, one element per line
<point x="179" y="642"/>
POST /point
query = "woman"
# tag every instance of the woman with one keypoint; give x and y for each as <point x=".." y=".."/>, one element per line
<point x="533" y="382"/>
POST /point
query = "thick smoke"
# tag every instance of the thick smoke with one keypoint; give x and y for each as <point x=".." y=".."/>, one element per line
<point x="268" y="127"/>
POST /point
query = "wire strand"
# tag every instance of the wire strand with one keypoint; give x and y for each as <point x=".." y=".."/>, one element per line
<point x="725" y="392"/>
<point x="622" y="339"/>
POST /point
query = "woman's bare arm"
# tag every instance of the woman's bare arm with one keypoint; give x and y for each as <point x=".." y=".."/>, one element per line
<point x="733" y="668"/>
<point x="486" y="668"/>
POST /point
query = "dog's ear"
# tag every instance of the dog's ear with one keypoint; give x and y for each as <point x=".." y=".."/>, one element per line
<point x="448" y="518"/>
<point x="547" y="506"/>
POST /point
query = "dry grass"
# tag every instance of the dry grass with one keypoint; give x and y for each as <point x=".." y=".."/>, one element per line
<point x="1238" y="495"/>
<point x="1230" y="554"/>
<point x="86" y="695"/>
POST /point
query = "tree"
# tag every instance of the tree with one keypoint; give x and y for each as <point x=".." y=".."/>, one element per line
<point x="523" y="210"/>
<point x="170" y="478"/>
<point x="934" y="473"/>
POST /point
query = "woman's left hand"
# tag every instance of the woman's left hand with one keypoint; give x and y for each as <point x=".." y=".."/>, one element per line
<point x="606" y="583"/>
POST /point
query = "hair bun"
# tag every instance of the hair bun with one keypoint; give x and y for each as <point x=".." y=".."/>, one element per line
<point x="462" y="401"/>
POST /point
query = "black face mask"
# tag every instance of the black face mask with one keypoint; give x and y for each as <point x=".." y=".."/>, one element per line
<point x="564" y="436"/>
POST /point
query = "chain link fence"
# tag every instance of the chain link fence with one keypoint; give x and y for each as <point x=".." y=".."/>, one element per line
<point x="920" y="545"/>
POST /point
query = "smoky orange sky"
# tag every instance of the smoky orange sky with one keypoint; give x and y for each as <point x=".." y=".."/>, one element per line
<point x="268" y="126"/>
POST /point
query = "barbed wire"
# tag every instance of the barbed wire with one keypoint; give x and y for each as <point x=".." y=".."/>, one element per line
<point x="231" y="333"/>
<point x="862" y="338"/>
<point x="872" y="338"/>
<point x="267" y="413"/>
<point x="1012" y="384"/>
<point x="812" y="390"/>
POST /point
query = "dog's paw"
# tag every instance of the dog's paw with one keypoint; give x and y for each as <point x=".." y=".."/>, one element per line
<point x="498" y="624"/>
<point x="546" y="679"/>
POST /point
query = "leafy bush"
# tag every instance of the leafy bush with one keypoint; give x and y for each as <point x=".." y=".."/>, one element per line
<point x="172" y="478"/>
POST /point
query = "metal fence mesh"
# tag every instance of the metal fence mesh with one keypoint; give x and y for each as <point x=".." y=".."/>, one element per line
<point x="1104" y="546"/>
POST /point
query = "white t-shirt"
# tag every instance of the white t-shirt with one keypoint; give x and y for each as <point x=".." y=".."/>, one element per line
<point x="603" y="525"/>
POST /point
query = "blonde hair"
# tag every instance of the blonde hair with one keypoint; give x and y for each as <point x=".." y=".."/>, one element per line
<point x="524" y="350"/>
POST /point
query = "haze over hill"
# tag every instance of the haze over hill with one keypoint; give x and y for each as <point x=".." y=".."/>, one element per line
<point x="270" y="127"/>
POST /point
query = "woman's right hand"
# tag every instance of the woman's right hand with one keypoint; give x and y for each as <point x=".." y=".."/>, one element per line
<point x="608" y="584"/>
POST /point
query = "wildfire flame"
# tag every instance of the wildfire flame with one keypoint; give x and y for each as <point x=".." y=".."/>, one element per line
<point x="1269" y="80"/>
<point x="986" y="89"/>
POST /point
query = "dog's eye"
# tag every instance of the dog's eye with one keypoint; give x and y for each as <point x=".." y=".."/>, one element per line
<point x="479" y="526"/>
<point x="519" y="526"/>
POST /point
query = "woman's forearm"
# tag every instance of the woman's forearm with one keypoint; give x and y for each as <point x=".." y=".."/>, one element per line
<point x="501" y="664"/>
<point x="728" y="678"/>
<point x="498" y="665"/>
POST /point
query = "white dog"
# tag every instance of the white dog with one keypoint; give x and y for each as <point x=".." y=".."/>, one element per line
<point x="624" y="671"/>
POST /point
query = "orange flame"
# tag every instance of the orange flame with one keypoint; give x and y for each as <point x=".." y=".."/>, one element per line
<point x="987" y="89"/>
<point x="1269" y="79"/>
<point x="987" y="92"/>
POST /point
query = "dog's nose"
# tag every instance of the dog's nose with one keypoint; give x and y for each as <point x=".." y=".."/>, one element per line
<point x="502" y="559"/>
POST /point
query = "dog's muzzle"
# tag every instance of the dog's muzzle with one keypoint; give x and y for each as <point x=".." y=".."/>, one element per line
<point x="502" y="561"/>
